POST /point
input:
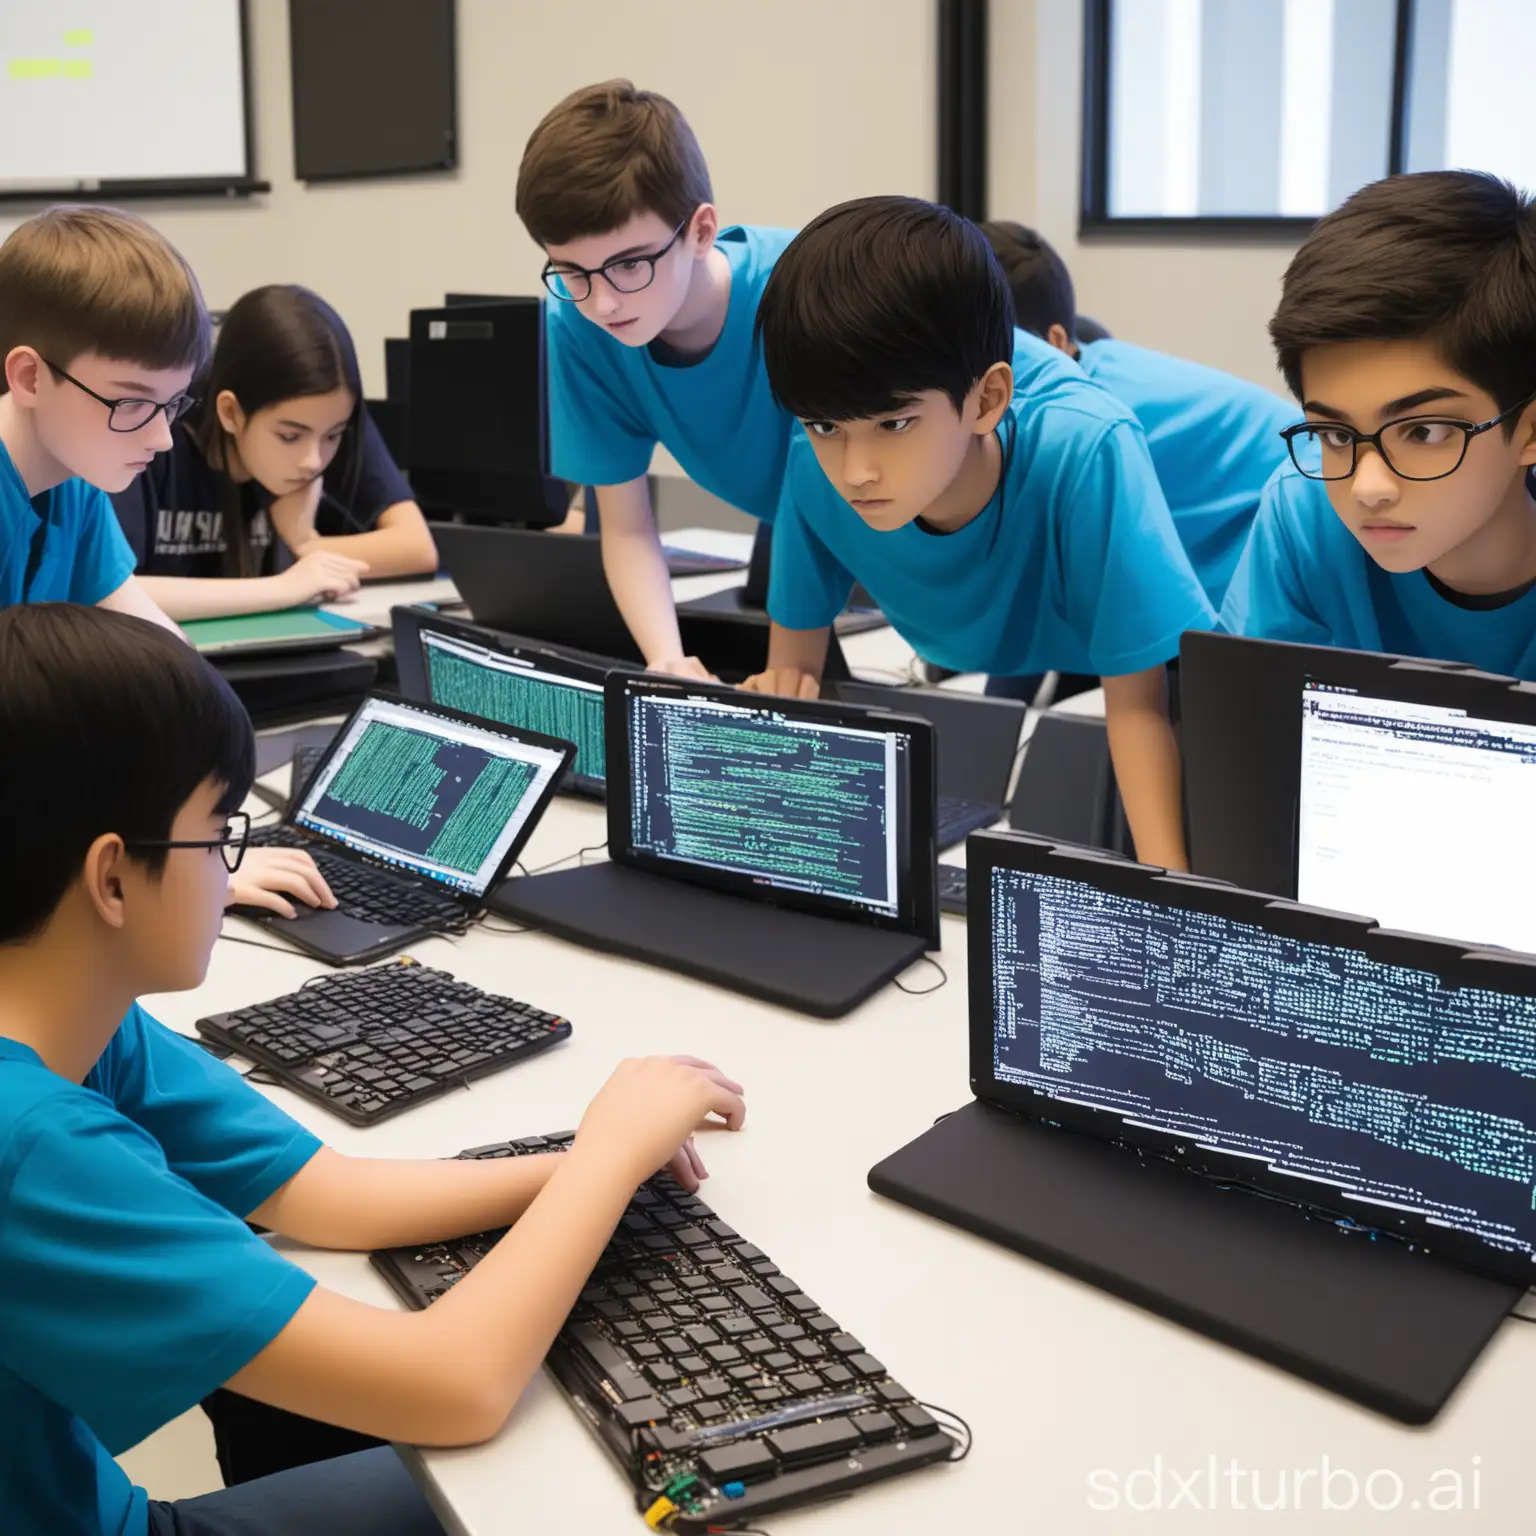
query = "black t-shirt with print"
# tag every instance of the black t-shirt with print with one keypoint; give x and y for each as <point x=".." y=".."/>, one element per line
<point x="173" y="518"/>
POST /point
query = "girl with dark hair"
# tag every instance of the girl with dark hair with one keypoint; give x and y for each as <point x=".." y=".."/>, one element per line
<point x="277" y="491"/>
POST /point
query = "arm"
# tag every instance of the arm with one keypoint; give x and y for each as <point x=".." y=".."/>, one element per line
<point x="131" y="598"/>
<point x="796" y="658"/>
<point x="400" y="545"/>
<point x="637" y="577"/>
<point x="1145" y="753"/>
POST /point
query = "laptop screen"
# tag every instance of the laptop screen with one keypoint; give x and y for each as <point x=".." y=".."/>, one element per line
<point x="435" y="796"/>
<point x="764" y="796"/>
<point x="1352" y="1081"/>
<point x="1419" y="815"/>
<point x="537" y="692"/>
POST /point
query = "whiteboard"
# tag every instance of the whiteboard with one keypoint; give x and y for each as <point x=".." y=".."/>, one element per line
<point x="95" y="91"/>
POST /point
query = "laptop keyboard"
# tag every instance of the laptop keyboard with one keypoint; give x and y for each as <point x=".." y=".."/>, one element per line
<point x="952" y="888"/>
<point x="370" y="1043"/>
<point x="959" y="817"/>
<point x="367" y="894"/>
<point x="723" y="1389"/>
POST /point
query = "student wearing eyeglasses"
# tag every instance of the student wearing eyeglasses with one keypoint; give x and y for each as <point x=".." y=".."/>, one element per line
<point x="1406" y="519"/>
<point x="277" y="490"/>
<point x="648" y="333"/>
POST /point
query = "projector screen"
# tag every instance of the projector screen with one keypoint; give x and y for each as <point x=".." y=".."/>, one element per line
<point x="101" y="96"/>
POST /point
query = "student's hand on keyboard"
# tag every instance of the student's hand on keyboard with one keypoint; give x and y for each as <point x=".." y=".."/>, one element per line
<point x="320" y="576"/>
<point x="646" y="1113"/>
<point x="684" y="666"/>
<point x="785" y="683"/>
<point x="265" y="874"/>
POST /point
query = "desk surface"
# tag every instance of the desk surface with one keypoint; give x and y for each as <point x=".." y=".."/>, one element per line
<point x="1082" y="1405"/>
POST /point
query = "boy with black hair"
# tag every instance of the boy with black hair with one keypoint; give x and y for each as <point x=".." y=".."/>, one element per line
<point x="1406" y="521"/>
<point x="1001" y="510"/>
<point x="102" y="329"/>
<point x="130" y="1284"/>
<point x="648" y="331"/>
<point x="1215" y="439"/>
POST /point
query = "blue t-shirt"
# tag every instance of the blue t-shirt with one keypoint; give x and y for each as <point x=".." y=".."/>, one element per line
<point x="1215" y="440"/>
<point x="609" y="405"/>
<point x="62" y="546"/>
<point x="129" y="1285"/>
<point x="1305" y="577"/>
<point x="1074" y="567"/>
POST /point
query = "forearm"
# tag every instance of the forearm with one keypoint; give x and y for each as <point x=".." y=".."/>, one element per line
<point x="1145" y="754"/>
<point x="401" y="544"/>
<point x="131" y="598"/>
<point x="204" y="597"/>
<point x="360" y="1203"/>
<point x="803" y="650"/>
<point x="636" y="570"/>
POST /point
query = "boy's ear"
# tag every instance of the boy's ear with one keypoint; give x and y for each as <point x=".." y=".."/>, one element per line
<point x="23" y="369"/>
<point x="1059" y="338"/>
<point x="102" y="878"/>
<point x="704" y="226"/>
<point x="993" y="394"/>
<point x="1525" y="433"/>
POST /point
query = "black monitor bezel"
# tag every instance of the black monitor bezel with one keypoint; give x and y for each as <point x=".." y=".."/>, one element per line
<point x="1492" y="969"/>
<point x="917" y="905"/>
<point x="472" y="901"/>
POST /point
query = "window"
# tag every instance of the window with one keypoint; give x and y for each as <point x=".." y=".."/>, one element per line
<point x="1268" y="113"/>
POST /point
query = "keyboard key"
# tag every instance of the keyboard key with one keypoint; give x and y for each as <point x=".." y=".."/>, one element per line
<point x="663" y="1374"/>
<point x="758" y="1346"/>
<point x="767" y="1394"/>
<point x="821" y="1323"/>
<point x="612" y="1366"/>
<point x="809" y="1349"/>
<point x="727" y="1274"/>
<point x="692" y="1365"/>
<point x="720" y="1231"/>
<point x="708" y="1256"/>
<point x="701" y="1334"/>
<point x="845" y="1344"/>
<point x="711" y="1386"/>
<point x="646" y="1351"/>
<point x="723" y="1354"/>
<point x="742" y="1372"/>
<point x="800" y="1303"/>
<point x="742" y="1462"/>
<point x="866" y="1365"/>
<point x="782" y="1284"/>
<point x="646" y="1411"/>
<point x="802" y="1381"/>
<point x="875" y="1427"/>
<point x="734" y="1327"/>
<point x="888" y="1391"/>
<point x="674" y="1345"/>
<point x="917" y="1422"/>
<point x="837" y="1375"/>
<point x="681" y="1397"/>
<point x="813" y="1442"/>
<point x="788" y="1331"/>
<point x="779" y="1360"/>
<point x="751" y="1298"/>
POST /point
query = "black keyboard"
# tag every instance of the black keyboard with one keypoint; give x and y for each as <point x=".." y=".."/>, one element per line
<point x="388" y="897"/>
<point x="952" y="888"/>
<point x="722" y="1390"/>
<point x="959" y="817"/>
<point x="370" y="1043"/>
<point x="694" y="562"/>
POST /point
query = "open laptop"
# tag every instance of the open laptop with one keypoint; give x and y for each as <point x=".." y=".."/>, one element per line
<point x="782" y="848"/>
<point x="413" y="815"/>
<point x="513" y="681"/>
<point x="1287" y="1128"/>
<point x="551" y="588"/>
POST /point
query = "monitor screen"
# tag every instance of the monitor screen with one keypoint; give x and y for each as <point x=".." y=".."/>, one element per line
<point x="438" y="797"/>
<point x="769" y="797"/>
<point x="1418" y="815"/>
<point x="1380" y="1090"/>
<point x="535" y="692"/>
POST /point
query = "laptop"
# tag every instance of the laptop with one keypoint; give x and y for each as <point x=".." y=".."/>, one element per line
<point x="513" y="681"/>
<point x="1286" y="1128"/>
<point x="289" y="629"/>
<point x="552" y="588"/>
<point x="977" y="740"/>
<point x="413" y="815"/>
<point x="782" y="848"/>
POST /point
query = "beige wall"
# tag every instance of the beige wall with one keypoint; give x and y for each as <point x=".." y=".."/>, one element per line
<point x="1208" y="300"/>
<point x="798" y="104"/>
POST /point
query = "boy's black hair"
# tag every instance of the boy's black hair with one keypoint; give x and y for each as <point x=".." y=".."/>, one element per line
<point x="109" y="724"/>
<point x="1037" y="277"/>
<point x="1447" y="257"/>
<point x="877" y="300"/>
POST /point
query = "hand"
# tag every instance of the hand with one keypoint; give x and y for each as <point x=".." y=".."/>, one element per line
<point x="786" y="683"/>
<point x="294" y="515"/>
<point x="684" y="666"/>
<point x="320" y="576"/>
<point x="645" y="1115"/>
<point x="266" y="872"/>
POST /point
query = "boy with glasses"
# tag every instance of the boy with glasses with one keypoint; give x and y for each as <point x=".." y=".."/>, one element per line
<point x="648" y="333"/>
<point x="130" y="1284"/>
<point x="1406" y="519"/>
<point x="102" y="328"/>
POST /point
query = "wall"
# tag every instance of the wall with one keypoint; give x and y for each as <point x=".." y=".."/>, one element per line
<point x="798" y="105"/>
<point x="1209" y="300"/>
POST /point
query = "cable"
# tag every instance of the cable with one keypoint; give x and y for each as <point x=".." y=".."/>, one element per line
<point x="941" y="1414"/>
<point x="924" y="991"/>
<point x="580" y="853"/>
<point x="512" y="929"/>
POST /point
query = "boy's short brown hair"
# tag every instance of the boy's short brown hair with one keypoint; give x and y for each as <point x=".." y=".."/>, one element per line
<point x="606" y="153"/>
<point x="76" y="279"/>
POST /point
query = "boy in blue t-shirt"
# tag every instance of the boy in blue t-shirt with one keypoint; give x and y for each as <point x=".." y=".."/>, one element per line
<point x="130" y="1284"/>
<point x="1407" y="519"/>
<point x="1215" y="439"/>
<point x="1001" y="510"/>
<point x="648" y="333"/>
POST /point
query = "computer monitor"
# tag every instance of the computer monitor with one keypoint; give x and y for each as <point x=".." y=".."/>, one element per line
<point x="1374" y="1080"/>
<point x="431" y="791"/>
<point x="826" y="808"/>
<point x="1418" y="802"/>
<point x="510" y="680"/>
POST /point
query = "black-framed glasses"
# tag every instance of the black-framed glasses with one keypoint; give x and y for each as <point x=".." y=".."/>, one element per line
<point x="237" y="834"/>
<point x="130" y="415"/>
<point x="1413" y="447"/>
<point x="624" y="274"/>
